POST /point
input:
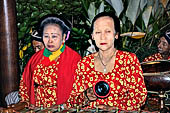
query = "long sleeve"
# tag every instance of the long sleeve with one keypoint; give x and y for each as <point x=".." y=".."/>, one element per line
<point x="77" y="95"/>
<point x="136" y="93"/>
<point x="23" y="92"/>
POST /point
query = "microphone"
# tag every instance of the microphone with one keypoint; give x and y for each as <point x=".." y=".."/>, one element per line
<point x="101" y="89"/>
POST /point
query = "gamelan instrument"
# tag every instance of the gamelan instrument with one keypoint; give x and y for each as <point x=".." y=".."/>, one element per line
<point x="57" y="109"/>
<point x="157" y="77"/>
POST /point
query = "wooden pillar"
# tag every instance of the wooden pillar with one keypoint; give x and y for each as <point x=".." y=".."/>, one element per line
<point x="9" y="77"/>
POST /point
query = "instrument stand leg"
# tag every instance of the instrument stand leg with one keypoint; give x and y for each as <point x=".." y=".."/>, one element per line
<point x="163" y="108"/>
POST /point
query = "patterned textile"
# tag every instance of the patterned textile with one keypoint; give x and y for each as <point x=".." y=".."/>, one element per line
<point x="45" y="78"/>
<point x="154" y="57"/>
<point x="128" y="91"/>
<point x="49" y="83"/>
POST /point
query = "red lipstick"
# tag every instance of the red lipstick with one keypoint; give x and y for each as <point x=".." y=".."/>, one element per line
<point x="103" y="43"/>
<point x="50" y="46"/>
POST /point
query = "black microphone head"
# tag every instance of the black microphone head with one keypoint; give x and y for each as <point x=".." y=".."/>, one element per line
<point x="101" y="89"/>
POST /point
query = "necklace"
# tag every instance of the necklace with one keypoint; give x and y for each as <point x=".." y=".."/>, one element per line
<point x="104" y="65"/>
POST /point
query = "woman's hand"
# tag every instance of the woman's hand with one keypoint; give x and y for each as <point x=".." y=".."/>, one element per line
<point x="89" y="95"/>
<point x="19" y="106"/>
<point x="106" y="107"/>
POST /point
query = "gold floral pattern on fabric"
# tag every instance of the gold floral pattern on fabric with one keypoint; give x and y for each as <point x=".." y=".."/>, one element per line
<point x="45" y="80"/>
<point x="23" y="91"/>
<point x="128" y="91"/>
<point x="154" y="57"/>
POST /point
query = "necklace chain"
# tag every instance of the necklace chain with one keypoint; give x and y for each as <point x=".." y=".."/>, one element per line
<point x="104" y="65"/>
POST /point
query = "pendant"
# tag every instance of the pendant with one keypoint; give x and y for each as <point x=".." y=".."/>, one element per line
<point x="104" y="69"/>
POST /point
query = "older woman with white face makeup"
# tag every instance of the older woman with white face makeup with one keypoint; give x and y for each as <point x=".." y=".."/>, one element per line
<point x="48" y="77"/>
<point x="120" y="71"/>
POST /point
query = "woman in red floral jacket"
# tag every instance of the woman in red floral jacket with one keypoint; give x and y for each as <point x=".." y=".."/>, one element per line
<point x="48" y="76"/>
<point x="120" y="69"/>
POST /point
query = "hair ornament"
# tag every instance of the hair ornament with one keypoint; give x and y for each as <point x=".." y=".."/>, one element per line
<point x="35" y="34"/>
<point x="68" y="35"/>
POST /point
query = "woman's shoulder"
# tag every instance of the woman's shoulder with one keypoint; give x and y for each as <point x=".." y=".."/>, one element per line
<point x="155" y="55"/>
<point x="87" y="62"/>
<point x="71" y="52"/>
<point x="128" y="57"/>
<point x="38" y="54"/>
<point x="88" y="57"/>
<point x="34" y="60"/>
<point x="126" y="53"/>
